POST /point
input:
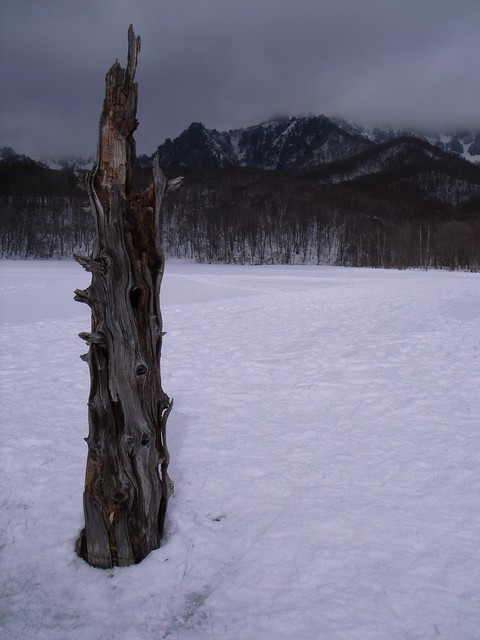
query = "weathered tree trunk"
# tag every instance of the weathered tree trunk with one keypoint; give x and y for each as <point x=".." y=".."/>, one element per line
<point x="126" y="494"/>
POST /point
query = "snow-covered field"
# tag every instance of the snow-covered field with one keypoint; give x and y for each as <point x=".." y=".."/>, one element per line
<point x="325" y="447"/>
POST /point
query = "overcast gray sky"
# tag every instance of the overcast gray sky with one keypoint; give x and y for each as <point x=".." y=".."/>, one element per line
<point x="233" y="63"/>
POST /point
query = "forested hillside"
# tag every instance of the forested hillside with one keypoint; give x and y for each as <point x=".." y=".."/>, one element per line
<point x="43" y="212"/>
<point x="400" y="204"/>
<point x="243" y="215"/>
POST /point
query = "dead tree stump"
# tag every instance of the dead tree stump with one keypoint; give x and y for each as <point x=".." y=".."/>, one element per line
<point x="126" y="485"/>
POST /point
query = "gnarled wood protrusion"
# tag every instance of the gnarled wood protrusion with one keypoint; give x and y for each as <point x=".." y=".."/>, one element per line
<point x="126" y="485"/>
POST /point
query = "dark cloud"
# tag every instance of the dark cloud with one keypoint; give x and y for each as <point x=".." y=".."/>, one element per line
<point x="231" y="63"/>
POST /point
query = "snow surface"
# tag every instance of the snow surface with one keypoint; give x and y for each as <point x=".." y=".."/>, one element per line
<point x="325" y="448"/>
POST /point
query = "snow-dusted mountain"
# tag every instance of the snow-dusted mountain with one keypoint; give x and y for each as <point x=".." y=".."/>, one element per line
<point x="70" y="162"/>
<point x="464" y="143"/>
<point x="284" y="144"/>
<point x="407" y="165"/>
<point x="297" y="144"/>
<point x="9" y="156"/>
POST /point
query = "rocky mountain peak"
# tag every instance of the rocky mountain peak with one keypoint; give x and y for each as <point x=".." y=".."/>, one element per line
<point x="291" y="144"/>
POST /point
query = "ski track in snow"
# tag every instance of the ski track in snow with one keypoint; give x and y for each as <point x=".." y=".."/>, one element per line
<point x="325" y="446"/>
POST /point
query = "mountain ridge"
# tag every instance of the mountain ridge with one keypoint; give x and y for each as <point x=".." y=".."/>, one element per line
<point x="297" y="143"/>
<point x="280" y="144"/>
<point x="286" y="143"/>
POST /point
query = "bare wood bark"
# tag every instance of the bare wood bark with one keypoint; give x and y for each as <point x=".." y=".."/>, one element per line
<point x="125" y="495"/>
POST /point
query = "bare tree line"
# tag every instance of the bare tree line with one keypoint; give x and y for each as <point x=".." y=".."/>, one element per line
<point x="247" y="216"/>
<point x="44" y="227"/>
<point x="278" y="221"/>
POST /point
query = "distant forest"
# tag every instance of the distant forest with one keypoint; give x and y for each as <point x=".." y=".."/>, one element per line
<point x="252" y="216"/>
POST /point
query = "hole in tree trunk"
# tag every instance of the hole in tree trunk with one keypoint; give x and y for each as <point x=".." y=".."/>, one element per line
<point x="136" y="295"/>
<point x="141" y="370"/>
